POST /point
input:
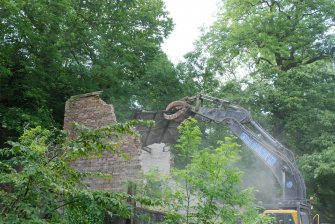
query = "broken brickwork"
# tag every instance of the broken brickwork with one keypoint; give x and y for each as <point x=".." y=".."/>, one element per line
<point x="90" y="110"/>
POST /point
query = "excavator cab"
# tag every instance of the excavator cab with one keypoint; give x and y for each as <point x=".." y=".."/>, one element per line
<point x="288" y="216"/>
<point x="290" y="213"/>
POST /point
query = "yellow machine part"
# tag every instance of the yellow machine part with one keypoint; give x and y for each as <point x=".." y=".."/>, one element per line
<point x="294" y="213"/>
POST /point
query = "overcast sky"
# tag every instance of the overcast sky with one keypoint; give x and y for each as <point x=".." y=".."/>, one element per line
<point x="188" y="16"/>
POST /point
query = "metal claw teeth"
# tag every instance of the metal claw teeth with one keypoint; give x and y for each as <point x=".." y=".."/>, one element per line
<point x="178" y="109"/>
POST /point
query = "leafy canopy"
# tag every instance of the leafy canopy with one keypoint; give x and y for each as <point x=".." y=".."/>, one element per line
<point x="281" y="34"/>
<point x="50" y="50"/>
<point x="283" y="51"/>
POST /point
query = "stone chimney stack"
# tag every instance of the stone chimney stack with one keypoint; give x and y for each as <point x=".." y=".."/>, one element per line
<point x="90" y="110"/>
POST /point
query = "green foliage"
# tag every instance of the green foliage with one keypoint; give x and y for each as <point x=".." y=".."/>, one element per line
<point x="159" y="85"/>
<point x="160" y="193"/>
<point x="319" y="170"/>
<point x="279" y="34"/>
<point x="37" y="182"/>
<point x="206" y="189"/>
<point x="297" y="107"/>
<point x="281" y="55"/>
<point x="196" y="74"/>
<point x="212" y="183"/>
<point x="94" y="206"/>
<point x="188" y="142"/>
<point x="301" y="104"/>
<point x="51" y="50"/>
<point x="93" y="142"/>
<point x="210" y="179"/>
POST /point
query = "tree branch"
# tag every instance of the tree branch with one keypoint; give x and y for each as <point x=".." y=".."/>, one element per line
<point x="60" y="206"/>
<point x="19" y="198"/>
<point x="264" y="59"/>
<point x="279" y="59"/>
<point x="311" y="60"/>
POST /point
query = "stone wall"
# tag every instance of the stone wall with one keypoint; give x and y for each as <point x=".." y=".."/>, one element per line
<point x="90" y="110"/>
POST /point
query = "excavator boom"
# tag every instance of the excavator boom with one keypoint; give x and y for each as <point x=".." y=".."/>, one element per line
<point x="278" y="158"/>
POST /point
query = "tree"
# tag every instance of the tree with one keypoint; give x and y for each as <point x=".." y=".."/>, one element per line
<point x="301" y="105"/>
<point x="51" y="50"/>
<point x="286" y="49"/>
<point x="278" y="34"/>
<point x="210" y="180"/>
<point x="38" y="184"/>
<point x="196" y="74"/>
<point x="159" y="85"/>
<point x="298" y="109"/>
<point x="319" y="170"/>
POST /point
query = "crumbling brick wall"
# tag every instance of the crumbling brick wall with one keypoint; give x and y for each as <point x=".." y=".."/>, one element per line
<point x="90" y="110"/>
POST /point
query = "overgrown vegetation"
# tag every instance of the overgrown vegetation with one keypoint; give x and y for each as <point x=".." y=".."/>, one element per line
<point x="38" y="184"/>
<point x="277" y="59"/>
<point x="207" y="187"/>
<point x="274" y="57"/>
<point x="51" y="50"/>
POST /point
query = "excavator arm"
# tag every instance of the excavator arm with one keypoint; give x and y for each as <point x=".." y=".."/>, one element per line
<point x="279" y="159"/>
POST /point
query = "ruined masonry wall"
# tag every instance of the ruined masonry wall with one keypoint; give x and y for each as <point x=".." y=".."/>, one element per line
<point x="90" y="110"/>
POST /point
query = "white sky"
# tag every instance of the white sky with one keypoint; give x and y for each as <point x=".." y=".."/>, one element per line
<point x="188" y="16"/>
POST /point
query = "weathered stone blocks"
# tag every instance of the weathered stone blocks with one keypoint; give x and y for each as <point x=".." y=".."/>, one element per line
<point x="90" y="110"/>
